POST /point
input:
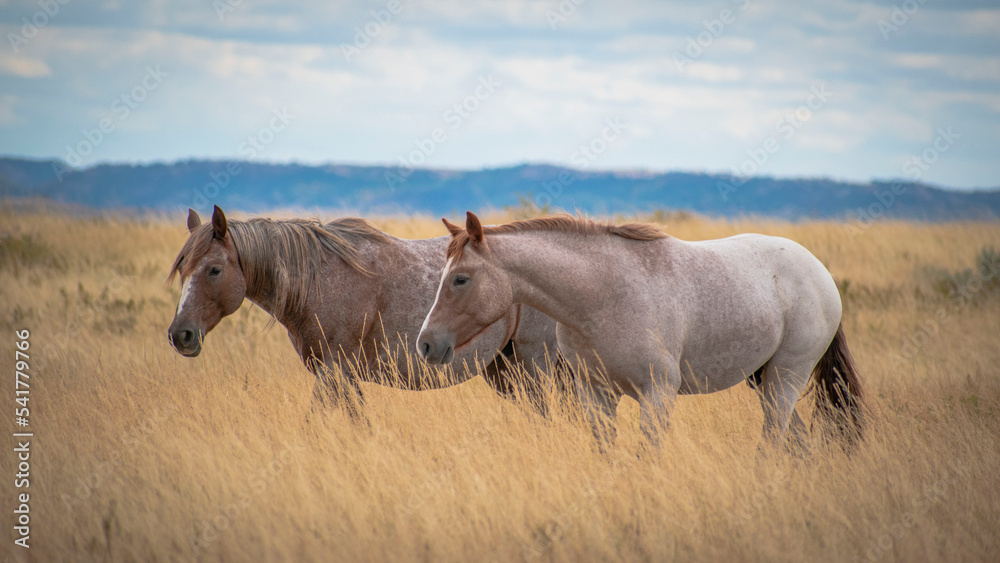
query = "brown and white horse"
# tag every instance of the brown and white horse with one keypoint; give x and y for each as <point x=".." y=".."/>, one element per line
<point x="351" y="297"/>
<point x="645" y="314"/>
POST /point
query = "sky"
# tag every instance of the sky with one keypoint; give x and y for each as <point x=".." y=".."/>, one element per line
<point x="839" y="89"/>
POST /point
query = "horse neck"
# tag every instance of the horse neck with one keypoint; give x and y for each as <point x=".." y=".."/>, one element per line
<point x="265" y="295"/>
<point x="400" y="260"/>
<point x="340" y="295"/>
<point x="267" y="292"/>
<point x="563" y="275"/>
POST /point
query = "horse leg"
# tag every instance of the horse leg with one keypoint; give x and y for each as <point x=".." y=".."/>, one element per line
<point x="753" y="381"/>
<point x="782" y="382"/>
<point x="507" y="370"/>
<point x="599" y="403"/>
<point x="336" y="388"/>
<point x="497" y="372"/>
<point x="798" y="443"/>
<point x="656" y="401"/>
<point x="565" y="378"/>
<point x="348" y="396"/>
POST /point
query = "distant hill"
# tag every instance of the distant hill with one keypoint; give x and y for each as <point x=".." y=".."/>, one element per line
<point x="376" y="189"/>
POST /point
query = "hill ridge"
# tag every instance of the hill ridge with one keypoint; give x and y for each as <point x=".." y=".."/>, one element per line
<point x="257" y="186"/>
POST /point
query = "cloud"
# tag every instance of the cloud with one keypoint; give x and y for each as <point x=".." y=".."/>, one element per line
<point x="227" y="74"/>
<point x="23" y="67"/>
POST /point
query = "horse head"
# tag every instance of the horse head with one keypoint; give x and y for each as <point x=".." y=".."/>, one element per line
<point x="473" y="294"/>
<point x="212" y="282"/>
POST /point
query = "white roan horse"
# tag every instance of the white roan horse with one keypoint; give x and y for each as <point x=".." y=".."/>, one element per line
<point x="648" y="315"/>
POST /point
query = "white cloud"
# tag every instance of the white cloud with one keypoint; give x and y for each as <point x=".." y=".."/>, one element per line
<point x="23" y="67"/>
<point x="714" y="73"/>
<point x="225" y="77"/>
<point x="955" y="66"/>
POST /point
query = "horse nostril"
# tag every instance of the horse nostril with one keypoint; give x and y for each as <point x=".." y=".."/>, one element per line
<point x="426" y="349"/>
<point x="186" y="336"/>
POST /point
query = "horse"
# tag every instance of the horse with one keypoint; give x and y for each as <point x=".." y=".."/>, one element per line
<point x="644" y="314"/>
<point x="351" y="297"/>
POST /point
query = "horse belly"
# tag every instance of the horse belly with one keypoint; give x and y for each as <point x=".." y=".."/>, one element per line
<point x="699" y="379"/>
<point x="728" y="359"/>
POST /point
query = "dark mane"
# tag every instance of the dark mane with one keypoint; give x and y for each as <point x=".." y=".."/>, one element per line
<point x="561" y="223"/>
<point x="283" y="258"/>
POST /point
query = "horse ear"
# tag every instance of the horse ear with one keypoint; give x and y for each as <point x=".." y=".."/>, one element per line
<point x="452" y="227"/>
<point x="193" y="220"/>
<point x="219" y="225"/>
<point x="474" y="227"/>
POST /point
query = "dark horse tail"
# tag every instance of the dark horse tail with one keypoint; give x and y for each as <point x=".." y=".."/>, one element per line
<point x="839" y="396"/>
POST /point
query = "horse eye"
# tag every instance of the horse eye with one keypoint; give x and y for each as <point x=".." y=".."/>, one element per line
<point x="461" y="280"/>
<point x="216" y="270"/>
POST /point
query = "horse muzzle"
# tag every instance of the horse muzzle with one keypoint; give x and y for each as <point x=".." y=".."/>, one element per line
<point x="186" y="340"/>
<point x="435" y="348"/>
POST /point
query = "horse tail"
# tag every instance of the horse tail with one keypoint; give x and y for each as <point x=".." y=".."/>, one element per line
<point x="839" y="395"/>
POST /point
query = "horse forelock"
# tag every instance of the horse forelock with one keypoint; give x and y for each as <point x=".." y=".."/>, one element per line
<point x="456" y="245"/>
<point x="559" y="223"/>
<point x="194" y="249"/>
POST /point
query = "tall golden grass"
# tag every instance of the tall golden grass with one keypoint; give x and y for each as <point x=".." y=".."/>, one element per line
<point x="140" y="454"/>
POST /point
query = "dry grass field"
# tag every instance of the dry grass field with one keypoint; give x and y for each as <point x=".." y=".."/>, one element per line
<point x="141" y="454"/>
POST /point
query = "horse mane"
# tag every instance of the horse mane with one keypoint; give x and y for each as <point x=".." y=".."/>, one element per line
<point x="564" y="224"/>
<point x="283" y="259"/>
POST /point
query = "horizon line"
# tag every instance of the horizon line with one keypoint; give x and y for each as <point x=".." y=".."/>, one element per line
<point x="649" y="171"/>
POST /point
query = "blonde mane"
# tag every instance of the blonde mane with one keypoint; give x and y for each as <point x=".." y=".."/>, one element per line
<point x="283" y="259"/>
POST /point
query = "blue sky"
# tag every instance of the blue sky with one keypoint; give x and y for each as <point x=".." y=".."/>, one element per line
<point x="843" y="89"/>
